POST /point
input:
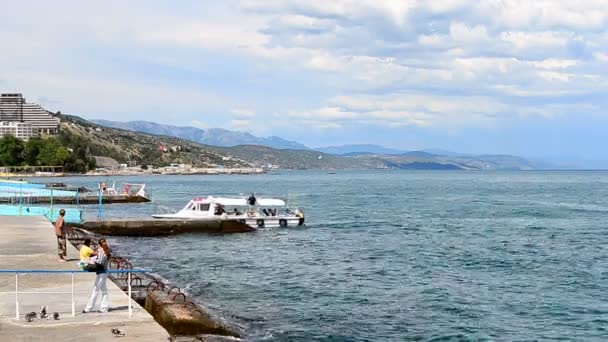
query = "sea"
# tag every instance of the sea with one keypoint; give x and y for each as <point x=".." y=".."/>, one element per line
<point x="393" y="255"/>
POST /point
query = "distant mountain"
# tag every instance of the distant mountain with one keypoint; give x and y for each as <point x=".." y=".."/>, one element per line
<point x="213" y="136"/>
<point x="217" y="146"/>
<point x="421" y="161"/>
<point x="441" y="152"/>
<point x="421" y="154"/>
<point x="424" y="166"/>
<point x="358" y="149"/>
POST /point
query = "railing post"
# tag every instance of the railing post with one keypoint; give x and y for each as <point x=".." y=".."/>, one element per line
<point x="73" y="302"/>
<point x="129" y="285"/>
<point x="51" y="202"/>
<point x="20" y="198"/>
<point x="100" y="209"/>
<point x="17" y="296"/>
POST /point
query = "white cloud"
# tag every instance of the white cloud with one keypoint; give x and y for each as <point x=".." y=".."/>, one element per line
<point x="332" y="63"/>
<point x="461" y="32"/>
<point x="555" y="63"/>
<point x="601" y="57"/>
<point x="198" y="124"/>
<point x="76" y="93"/>
<point x="240" y="124"/>
<point x="325" y="113"/>
<point x="208" y="35"/>
<point x="243" y="112"/>
<point x="556" y="76"/>
<point x="443" y="112"/>
<point x="537" y="40"/>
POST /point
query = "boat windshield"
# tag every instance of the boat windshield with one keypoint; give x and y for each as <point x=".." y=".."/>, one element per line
<point x="198" y="206"/>
<point x="203" y="206"/>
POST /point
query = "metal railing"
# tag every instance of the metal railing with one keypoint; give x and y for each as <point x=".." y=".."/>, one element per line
<point x="25" y="199"/>
<point x="72" y="272"/>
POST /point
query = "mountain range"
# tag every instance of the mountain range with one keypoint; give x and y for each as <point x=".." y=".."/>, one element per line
<point x="282" y="153"/>
<point x="212" y="136"/>
<point x="358" y="149"/>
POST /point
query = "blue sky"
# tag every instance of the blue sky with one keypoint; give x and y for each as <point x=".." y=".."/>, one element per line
<point x="495" y="76"/>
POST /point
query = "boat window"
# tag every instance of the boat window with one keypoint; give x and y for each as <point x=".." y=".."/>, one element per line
<point x="203" y="207"/>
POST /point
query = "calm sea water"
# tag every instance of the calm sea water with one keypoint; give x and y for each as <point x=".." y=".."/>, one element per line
<point x="429" y="256"/>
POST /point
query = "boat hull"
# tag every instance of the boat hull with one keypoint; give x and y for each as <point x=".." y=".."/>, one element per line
<point x="272" y="222"/>
<point x="254" y="222"/>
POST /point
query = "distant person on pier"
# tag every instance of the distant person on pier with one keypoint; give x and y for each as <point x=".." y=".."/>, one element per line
<point x="103" y="255"/>
<point x="251" y="200"/>
<point x="61" y="233"/>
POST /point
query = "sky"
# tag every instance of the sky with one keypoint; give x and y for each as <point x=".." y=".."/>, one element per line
<point x="495" y="76"/>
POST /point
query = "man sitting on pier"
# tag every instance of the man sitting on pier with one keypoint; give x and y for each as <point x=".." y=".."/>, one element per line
<point x="61" y="232"/>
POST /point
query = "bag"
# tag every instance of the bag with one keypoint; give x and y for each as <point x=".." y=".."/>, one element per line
<point x="94" y="267"/>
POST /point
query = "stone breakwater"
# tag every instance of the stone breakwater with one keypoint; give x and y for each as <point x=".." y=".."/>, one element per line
<point x="169" y="305"/>
<point x="163" y="227"/>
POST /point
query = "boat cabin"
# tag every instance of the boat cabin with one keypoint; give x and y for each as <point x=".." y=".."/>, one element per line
<point x="214" y="206"/>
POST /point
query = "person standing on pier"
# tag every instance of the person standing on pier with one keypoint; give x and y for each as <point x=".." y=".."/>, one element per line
<point x="61" y="232"/>
<point x="103" y="255"/>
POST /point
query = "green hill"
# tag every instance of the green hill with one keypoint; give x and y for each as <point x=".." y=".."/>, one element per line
<point x="139" y="148"/>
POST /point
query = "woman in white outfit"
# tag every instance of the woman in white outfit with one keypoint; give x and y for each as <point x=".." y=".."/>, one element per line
<point x="103" y="254"/>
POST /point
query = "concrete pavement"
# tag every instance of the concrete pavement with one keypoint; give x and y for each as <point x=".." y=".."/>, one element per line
<point x="30" y="243"/>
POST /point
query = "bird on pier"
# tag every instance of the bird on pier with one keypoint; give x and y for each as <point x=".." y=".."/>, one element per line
<point x="117" y="333"/>
<point x="30" y="316"/>
<point x="56" y="316"/>
<point x="43" y="312"/>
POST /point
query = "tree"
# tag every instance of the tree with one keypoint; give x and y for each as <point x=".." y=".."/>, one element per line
<point x="11" y="151"/>
<point x="52" y="153"/>
<point x="31" y="151"/>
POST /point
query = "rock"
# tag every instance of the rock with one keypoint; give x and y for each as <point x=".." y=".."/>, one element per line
<point x="179" y="319"/>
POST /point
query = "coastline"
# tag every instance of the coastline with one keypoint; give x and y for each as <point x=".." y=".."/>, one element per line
<point x="140" y="172"/>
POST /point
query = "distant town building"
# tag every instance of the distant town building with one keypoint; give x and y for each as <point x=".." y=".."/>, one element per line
<point x="20" y="130"/>
<point x="14" y="109"/>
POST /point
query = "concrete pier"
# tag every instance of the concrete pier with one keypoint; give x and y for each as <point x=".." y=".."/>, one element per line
<point x="28" y="242"/>
<point x="75" y="200"/>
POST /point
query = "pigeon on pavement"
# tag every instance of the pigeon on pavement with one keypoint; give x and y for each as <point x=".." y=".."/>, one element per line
<point x="117" y="333"/>
<point x="43" y="312"/>
<point x="30" y="316"/>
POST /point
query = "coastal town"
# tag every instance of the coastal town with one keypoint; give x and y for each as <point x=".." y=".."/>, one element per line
<point x="30" y="123"/>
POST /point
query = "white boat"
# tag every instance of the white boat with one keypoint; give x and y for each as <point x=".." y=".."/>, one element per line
<point x="127" y="189"/>
<point x="265" y="213"/>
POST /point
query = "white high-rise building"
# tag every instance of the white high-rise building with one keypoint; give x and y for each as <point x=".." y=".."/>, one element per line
<point x="20" y="130"/>
<point x="14" y="108"/>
